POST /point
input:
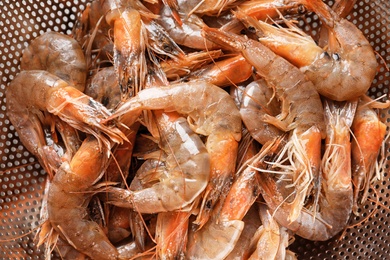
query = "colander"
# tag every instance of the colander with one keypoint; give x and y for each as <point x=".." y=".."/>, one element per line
<point x="22" y="179"/>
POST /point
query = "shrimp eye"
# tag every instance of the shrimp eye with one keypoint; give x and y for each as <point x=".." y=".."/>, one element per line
<point x="251" y="29"/>
<point x="301" y="9"/>
<point x="335" y="56"/>
<point x="167" y="47"/>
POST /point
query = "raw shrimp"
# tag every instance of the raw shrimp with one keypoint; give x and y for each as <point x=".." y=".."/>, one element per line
<point x="369" y="133"/>
<point x="172" y="182"/>
<point x="342" y="71"/>
<point x="58" y="54"/>
<point x="218" y="237"/>
<point x="226" y="72"/>
<point x="211" y="112"/>
<point x="335" y="200"/>
<point x="35" y="92"/>
<point x="257" y="102"/>
<point x="301" y="109"/>
<point x="68" y="200"/>
<point x="130" y="39"/>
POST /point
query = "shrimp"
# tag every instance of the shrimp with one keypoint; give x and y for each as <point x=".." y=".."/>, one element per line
<point x="272" y="239"/>
<point x="369" y="133"/>
<point x="211" y="112"/>
<point x="335" y="201"/>
<point x="176" y="181"/>
<point x="58" y="54"/>
<point x="229" y="71"/>
<point x="68" y="200"/>
<point x="130" y="39"/>
<point x="257" y="103"/>
<point x="218" y="237"/>
<point x="33" y="93"/>
<point x="301" y="109"/>
<point x="344" y="71"/>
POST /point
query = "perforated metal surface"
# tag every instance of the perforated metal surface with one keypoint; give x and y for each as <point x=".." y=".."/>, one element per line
<point x="22" y="179"/>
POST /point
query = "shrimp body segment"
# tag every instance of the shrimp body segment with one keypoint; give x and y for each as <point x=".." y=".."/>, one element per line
<point x="210" y="112"/>
<point x="58" y="54"/>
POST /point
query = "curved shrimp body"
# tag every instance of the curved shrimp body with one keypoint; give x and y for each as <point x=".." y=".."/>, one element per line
<point x="369" y="133"/>
<point x="257" y="103"/>
<point x="181" y="176"/>
<point x="301" y="108"/>
<point x="37" y="92"/>
<point x="67" y="201"/>
<point x="344" y="71"/>
<point x="211" y="112"/>
<point x="58" y="54"/>
<point x="335" y="201"/>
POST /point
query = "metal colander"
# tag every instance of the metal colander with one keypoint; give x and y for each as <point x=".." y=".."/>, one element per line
<point x="22" y="179"/>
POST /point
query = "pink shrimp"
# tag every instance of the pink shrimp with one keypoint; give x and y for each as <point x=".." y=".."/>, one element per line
<point x="369" y="134"/>
<point x="344" y="71"/>
<point x="301" y="109"/>
<point x="335" y="201"/>
<point x="33" y="93"/>
<point x="211" y="112"/>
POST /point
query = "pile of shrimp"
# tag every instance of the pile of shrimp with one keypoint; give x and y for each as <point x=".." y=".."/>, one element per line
<point x="204" y="129"/>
